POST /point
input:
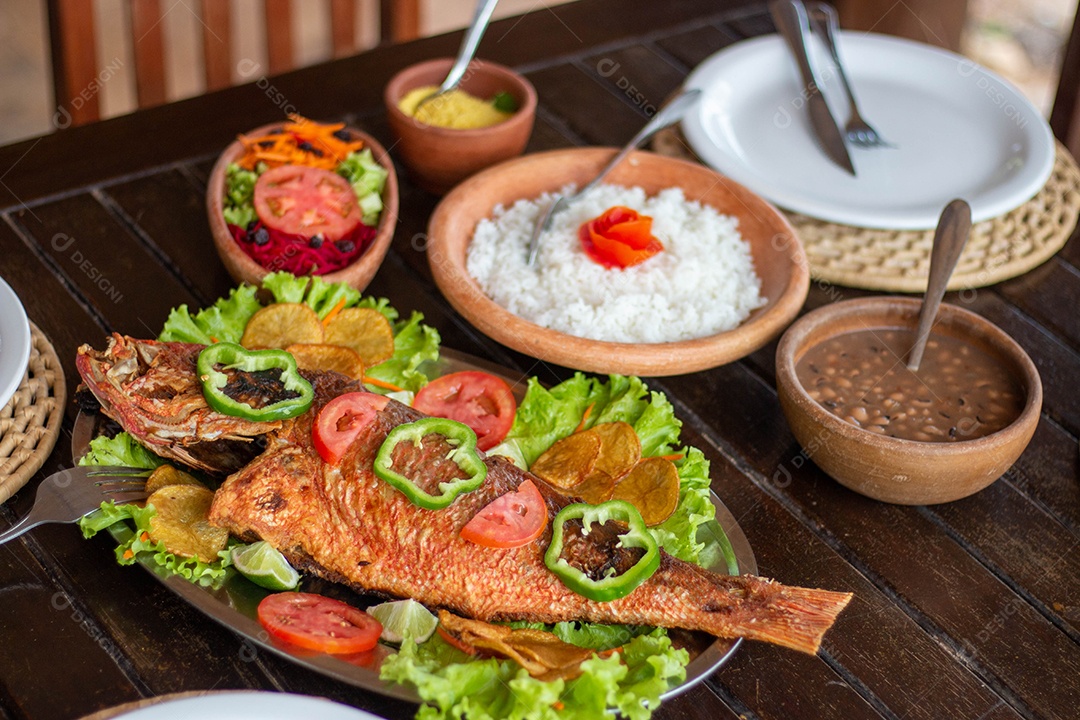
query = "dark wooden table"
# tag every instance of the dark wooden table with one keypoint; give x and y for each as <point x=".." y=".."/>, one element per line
<point x="965" y="610"/>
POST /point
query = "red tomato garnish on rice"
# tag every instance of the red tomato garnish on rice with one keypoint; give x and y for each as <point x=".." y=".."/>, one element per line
<point x="316" y="622"/>
<point x="619" y="238"/>
<point x="341" y="421"/>
<point x="480" y="400"/>
<point x="307" y="201"/>
<point x="511" y="520"/>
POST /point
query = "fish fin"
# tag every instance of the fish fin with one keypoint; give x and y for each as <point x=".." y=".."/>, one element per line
<point x="796" y="617"/>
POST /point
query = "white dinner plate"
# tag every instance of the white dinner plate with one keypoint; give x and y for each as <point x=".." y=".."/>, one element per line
<point x="248" y="706"/>
<point x="958" y="130"/>
<point x="14" y="342"/>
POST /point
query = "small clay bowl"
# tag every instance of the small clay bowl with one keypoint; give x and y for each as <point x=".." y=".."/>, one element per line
<point x="778" y="259"/>
<point x="244" y="269"/>
<point x="439" y="158"/>
<point x="906" y="472"/>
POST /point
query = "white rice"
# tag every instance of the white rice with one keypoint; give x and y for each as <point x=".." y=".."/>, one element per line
<point x="702" y="283"/>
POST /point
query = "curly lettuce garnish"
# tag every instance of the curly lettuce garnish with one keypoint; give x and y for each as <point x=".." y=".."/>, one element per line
<point x="550" y="414"/>
<point x="414" y="342"/>
<point x="453" y="685"/>
<point x="136" y="544"/>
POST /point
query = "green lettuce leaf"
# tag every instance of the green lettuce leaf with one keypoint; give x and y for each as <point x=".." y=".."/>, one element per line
<point x="367" y="178"/>
<point x="548" y="415"/>
<point x="414" y="342"/>
<point x="122" y="450"/>
<point x="587" y="634"/>
<point x="128" y="523"/>
<point x="130" y="526"/>
<point x="223" y="321"/>
<point x="239" y="203"/>
<point x="630" y="681"/>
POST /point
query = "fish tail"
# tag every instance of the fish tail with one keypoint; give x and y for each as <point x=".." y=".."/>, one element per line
<point x="794" y="617"/>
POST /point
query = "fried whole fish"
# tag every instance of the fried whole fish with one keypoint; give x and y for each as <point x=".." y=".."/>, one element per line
<point x="345" y="524"/>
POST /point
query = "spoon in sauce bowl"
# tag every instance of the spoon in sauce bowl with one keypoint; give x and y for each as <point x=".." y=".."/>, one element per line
<point x="469" y="45"/>
<point x="951" y="235"/>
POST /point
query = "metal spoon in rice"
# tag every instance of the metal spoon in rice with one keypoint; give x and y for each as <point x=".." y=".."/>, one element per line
<point x="469" y="44"/>
<point x="667" y="115"/>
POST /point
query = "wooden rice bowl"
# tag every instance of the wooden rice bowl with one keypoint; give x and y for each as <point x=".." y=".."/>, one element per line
<point x="243" y="268"/>
<point x="778" y="259"/>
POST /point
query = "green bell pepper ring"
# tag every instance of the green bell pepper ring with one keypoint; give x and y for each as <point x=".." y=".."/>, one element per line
<point x="236" y="357"/>
<point x="612" y="586"/>
<point x="462" y="440"/>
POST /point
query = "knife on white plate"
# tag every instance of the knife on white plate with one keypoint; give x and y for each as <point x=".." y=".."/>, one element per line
<point x="792" y="22"/>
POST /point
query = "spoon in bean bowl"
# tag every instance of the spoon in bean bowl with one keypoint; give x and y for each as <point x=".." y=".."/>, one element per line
<point x="671" y="113"/>
<point x="951" y="235"/>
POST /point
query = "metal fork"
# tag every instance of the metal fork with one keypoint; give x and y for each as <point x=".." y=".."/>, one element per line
<point x="70" y="494"/>
<point x="670" y="113"/>
<point x="826" y="24"/>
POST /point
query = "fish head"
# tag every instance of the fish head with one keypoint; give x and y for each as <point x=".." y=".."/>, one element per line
<point x="152" y="390"/>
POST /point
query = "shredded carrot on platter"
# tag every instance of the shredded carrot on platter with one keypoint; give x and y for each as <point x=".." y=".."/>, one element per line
<point x="368" y="380"/>
<point x="300" y="142"/>
<point x="584" y="418"/>
<point x="673" y="457"/>
<point x="333" y="312"/>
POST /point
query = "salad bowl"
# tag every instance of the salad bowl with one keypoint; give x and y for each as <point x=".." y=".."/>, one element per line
<point x="778" y="259"/>
<point x="243" y="268"/>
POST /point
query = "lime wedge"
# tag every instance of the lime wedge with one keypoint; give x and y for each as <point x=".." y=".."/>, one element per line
<point x="263" y="565"/>
<point x="404" y="619"/>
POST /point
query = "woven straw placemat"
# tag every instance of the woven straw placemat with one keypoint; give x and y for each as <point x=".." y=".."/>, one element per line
<point x="30" y="422"/>
<point x="899" y="260"/>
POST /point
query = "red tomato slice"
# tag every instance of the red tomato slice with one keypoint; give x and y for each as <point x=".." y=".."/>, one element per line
<point x="480" y="400"/>
<point x="319" y="623"/>
<point x="343" y="419"/>
<point x="306" y="201"/>
<point x="512" y="520"/>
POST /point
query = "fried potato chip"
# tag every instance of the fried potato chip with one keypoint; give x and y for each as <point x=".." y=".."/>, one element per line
<point x="182" y="522"/>
<point x="569" y="461"/>
<point x="652" y="487"/>
<point x="322" y="356"/>
<point x="366" y="331"/>
<point x="620" y="448"/>
<point x="166" y="475"/>
<point x="280" y="325"/>
<point x="596" y="488"/>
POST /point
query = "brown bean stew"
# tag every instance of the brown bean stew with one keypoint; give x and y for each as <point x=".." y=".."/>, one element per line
<point x="959" y="393"/>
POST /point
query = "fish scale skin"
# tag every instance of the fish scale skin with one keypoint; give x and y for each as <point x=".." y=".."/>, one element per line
<point x="346" y="523"/>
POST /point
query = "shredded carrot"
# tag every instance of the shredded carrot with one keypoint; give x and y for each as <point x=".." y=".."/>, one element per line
<point x="558" y="705"/>
<point x="145" y="537"/>
<point x="333" y="312"/>
<point x="128" y="554"/>
<point x="213" y="339"/>
<point x="672" y="457"/>
<point x="381" y="384"/>
<point x="584" y="418"/>
<point x="300" y="142"/>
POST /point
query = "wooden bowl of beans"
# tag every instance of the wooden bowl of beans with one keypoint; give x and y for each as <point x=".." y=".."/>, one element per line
<point x="932" y="436"/>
